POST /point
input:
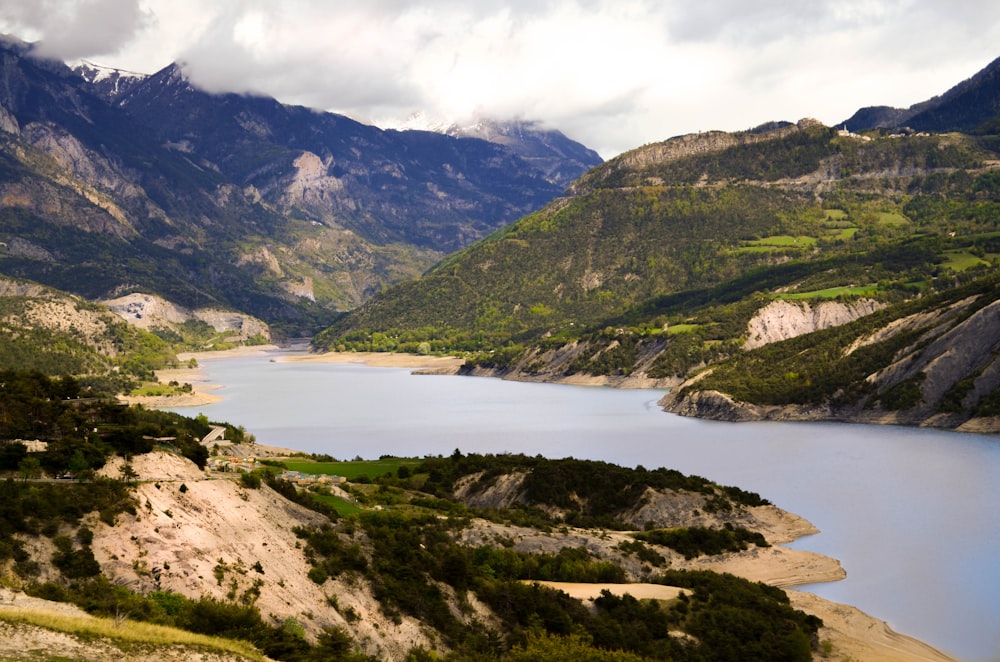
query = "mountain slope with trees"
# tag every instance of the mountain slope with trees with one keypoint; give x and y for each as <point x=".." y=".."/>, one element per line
<point x="655" y="264"/>
<point x="114" y="185"/>
<point x="972" y="106"/>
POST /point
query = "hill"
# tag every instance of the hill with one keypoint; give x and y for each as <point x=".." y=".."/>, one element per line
<point x="58" y="334"/>
<point x="113" y="184"/>
<point x="663" y="260"/>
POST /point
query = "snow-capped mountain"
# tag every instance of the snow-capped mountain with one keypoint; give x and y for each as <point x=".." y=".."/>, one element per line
<point x="558" y="157"/>
<point x="108" y="81"/>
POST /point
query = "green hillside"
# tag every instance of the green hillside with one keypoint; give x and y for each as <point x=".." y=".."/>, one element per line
<point x="656" y="261"/>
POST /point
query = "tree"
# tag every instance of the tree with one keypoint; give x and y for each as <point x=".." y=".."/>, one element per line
<point x="129" y="474"/>
<point x="30" y="468"/>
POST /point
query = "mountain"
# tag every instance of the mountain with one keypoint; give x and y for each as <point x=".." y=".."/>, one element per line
<point x="560" y="159"/>
<point x="459" y="567"/>
<point x="668" y="258"/>
<point x="414" y="187"/>
<point x="108" y="82"/>
<point x="968" y="107"/>
<point x="112" y="183"/>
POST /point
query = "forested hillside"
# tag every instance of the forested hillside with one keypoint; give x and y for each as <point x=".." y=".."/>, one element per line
<point x="658" y="260"/>
<point x="149" y="185"/>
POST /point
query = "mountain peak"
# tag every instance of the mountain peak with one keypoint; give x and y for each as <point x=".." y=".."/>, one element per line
<point x="966" y="107"/>
<point x="110" y="82"/>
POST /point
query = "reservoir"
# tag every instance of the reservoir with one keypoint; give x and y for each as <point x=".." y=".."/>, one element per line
<point x="912" y="514"/>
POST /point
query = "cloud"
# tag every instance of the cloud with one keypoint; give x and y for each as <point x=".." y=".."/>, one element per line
<point x="71" y="29"/>
<point x="613" y="74"/>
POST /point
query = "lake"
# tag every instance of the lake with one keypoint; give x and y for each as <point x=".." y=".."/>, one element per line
<point x="912" y="514"/>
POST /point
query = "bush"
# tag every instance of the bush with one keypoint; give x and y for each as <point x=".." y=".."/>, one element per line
<point x="250" y="480"/>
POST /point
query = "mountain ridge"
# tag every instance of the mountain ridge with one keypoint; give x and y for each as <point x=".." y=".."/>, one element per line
<point x="966" y="107"/>
<point x="226" y="213"/>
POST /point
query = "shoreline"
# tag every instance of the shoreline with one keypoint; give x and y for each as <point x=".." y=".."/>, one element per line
<point x="853" y="633"/>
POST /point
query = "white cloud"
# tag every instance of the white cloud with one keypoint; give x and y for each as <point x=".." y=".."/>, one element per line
<point x="71" y="29"/>
<point x="612" y="74"/>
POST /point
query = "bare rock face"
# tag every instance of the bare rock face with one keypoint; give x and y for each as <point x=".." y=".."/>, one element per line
<point x="148" y="311"/>
<point x="781" y="319"/>
<point x="8" y="123"/>
<point x="968" y="348"/>
<point x="201" y="534"/>
<point x="712" y="405"/>
<point x="504" y="492"/>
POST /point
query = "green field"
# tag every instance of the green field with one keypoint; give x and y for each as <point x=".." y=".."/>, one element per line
<point x="843" y="233"/>
<point x="675" y="329"/>
<point x="890" y="218"/>
<point x="340" y="504"/>
<point x="960" y="260"/>
<point x="832" y="292"/>
<point x="777" y="242"/>
<point x="353" y="469"/>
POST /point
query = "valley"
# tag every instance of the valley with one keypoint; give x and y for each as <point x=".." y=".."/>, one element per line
<point x="789" y="272"/>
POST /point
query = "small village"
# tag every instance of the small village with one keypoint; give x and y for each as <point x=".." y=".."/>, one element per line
<point x="232" y="463"/>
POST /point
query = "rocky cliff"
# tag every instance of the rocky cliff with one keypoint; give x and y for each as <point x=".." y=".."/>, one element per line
<point x="944" y="371"/>
<point x="148" y="311"/>
<point x="783" y="319"/>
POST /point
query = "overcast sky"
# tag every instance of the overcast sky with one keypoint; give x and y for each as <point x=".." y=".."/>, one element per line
<point x="613" y="74"/>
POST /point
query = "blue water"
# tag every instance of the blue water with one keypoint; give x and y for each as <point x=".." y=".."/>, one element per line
<point x="912" y="514"/>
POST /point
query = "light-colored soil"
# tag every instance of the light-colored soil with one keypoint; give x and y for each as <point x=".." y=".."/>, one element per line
<point x="444" y="364"/>
<point x="855" y="636"/>
<point x="214" y="537"/>
<point x="204" y="393"/>
<point x="638" y="591"/>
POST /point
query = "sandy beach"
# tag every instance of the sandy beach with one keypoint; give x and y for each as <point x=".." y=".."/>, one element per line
<point x="204" y="393"/>
<point x="439" y="364"/>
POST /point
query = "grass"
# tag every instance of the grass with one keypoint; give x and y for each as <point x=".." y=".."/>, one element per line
<point x="676" y="329"/>
<point x="891" y="218"/>
<point x="777" y="242"/>
<point x="960" y="260"/>
<point x="832" y="292"/>
<point x="128" y="633"/>
<point x="156" y="388"/>
<point x="352" y="469"/>
<point x="843" y="234"/>
<point x="340" y="504"/>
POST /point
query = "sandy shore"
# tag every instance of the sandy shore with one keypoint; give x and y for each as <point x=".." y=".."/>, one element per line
<point x="854" y="635"/>
<point x="203" y="393"/>
<point x="638" y="591"/>
<point x="848" y="634"/>
<point x="443" y="364"/>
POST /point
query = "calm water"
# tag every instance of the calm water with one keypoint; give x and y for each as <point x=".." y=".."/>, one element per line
<point x="913" y="515"/>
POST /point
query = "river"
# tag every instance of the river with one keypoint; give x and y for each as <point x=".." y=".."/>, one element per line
<point x="912" y="514"/>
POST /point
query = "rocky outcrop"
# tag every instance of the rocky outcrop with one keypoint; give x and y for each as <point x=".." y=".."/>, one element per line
<point x="970" y="348"/>
<point x="783" y="319"/>
<point x="149" y="311"/>
<point x="680" y="147"/>
<point x="501" y="492"/>
<point x="953" y="362"/>
<point x="197" y="534"/>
